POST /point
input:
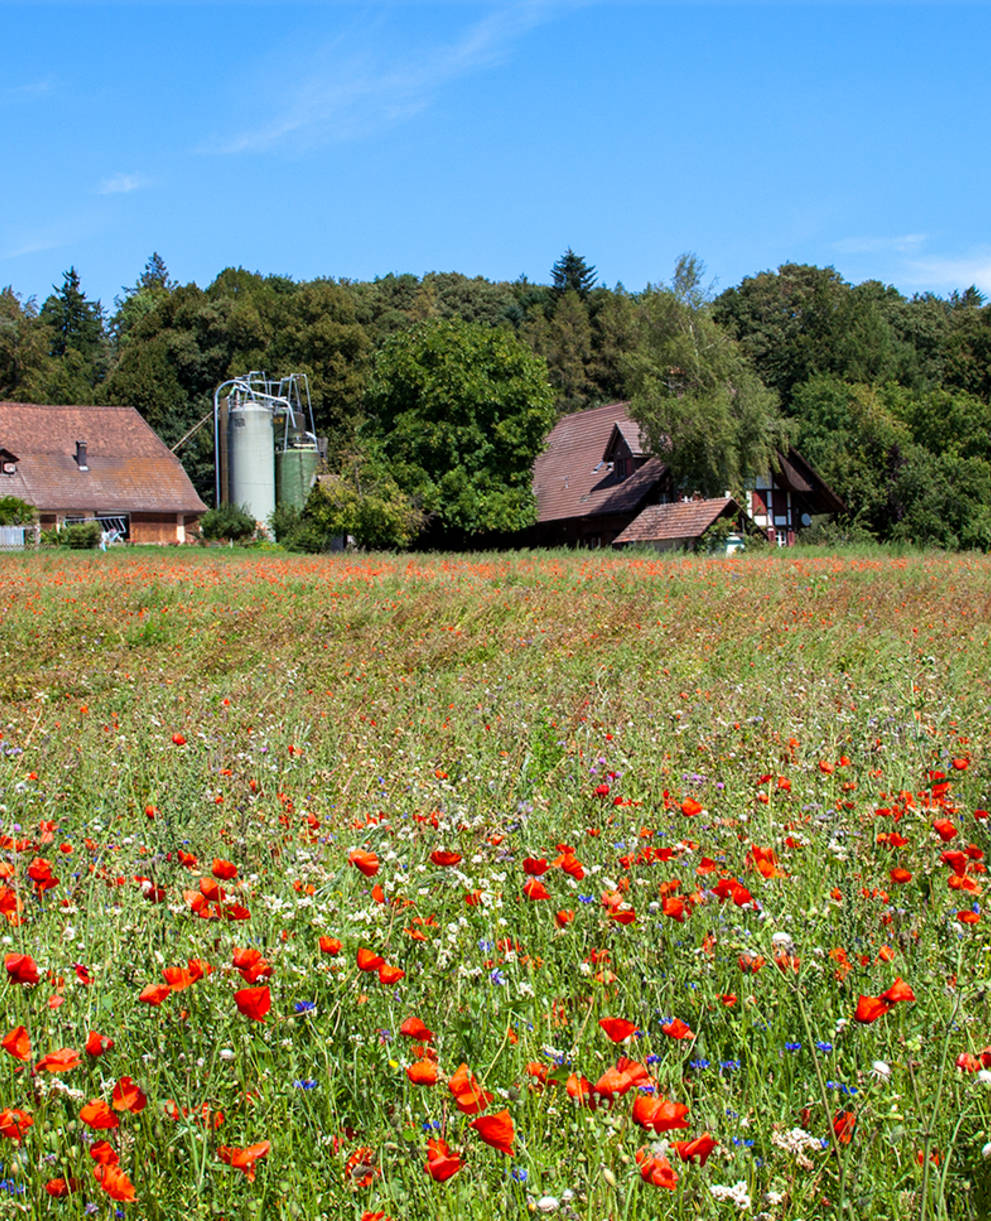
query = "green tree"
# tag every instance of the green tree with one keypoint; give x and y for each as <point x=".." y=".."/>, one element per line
<point x="571" y="272"/>
<point x="564" y="340"/>
<point x="462" y="411"/>
<point x="73" y="321"/>
<point x="699" y="401"/>
<point x="140" y="299"/>
<point x="22" y="347"/>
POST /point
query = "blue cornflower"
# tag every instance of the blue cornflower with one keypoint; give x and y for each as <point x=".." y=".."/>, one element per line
<point x="698" y="1063"/>
<point x="496" y="977"/>
<point x="431" y="1125"/>
<point x="519" y="1174"/>
<point x="306" y="1083"/>
<point x="304" y="1006"/>
<point x="729" y="1065"/>
<point x="586" y="898"/>
<point x="793" y="1047"/>
<point x="825" y="1047"/>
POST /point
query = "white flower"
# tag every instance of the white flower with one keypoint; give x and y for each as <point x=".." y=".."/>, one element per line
<point x="547" y="1204"/>
<point x="880" y="1071"/>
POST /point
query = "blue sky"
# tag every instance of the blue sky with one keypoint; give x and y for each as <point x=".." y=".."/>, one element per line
<point x="357" y="139"/>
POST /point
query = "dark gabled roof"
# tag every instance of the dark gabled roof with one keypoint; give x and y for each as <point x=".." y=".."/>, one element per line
<point x="129" y="469"/>
<point x="686" y="519"/>
<point x="794" y="473"/>
<point x="571" y="478"/>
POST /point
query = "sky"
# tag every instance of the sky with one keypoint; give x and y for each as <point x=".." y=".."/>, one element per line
<point x="352" y="140"/>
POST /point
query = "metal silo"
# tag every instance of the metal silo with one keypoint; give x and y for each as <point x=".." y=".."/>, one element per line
<point x="250" y="458"/>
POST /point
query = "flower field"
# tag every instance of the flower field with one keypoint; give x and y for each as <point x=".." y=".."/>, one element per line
<point x="471" y="887"/>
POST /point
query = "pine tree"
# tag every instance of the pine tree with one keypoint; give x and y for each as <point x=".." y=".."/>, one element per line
<point x="571" y="271"/>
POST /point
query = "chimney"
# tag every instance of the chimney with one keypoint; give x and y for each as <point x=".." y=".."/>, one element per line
<point x="81" y="455"/>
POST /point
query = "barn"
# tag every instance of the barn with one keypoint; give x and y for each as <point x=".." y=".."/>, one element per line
<point x="106" y="464"/>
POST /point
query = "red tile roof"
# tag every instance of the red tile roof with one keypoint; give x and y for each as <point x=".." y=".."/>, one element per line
<point x="687" y="519"/>
<point x="570" y="478"/>
<point x="130" y="470"/>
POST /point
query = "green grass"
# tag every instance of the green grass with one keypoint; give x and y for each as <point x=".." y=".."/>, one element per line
<point x="807" y="702"/>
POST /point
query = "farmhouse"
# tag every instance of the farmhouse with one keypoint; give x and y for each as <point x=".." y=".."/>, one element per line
<point x="597" y="485"/>
<point x="96" y="463"/>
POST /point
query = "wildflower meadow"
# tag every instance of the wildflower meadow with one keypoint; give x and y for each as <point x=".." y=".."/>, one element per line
<point x="579" y="885"/>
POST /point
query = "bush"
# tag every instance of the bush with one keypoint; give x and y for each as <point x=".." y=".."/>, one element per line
<point x="15" y="512"/>
<point x="82" y="536"/>
<point x="229" y="522"/>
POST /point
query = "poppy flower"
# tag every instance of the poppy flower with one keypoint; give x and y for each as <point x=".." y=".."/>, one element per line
<point x="445" y="858"/>
<point x="21" y="969"/>
<point x="536" y="890"/>
<point x="368" y="960"/>
<point x="844" y="1123"/>
<point x="97" y="1044"/>
<point x="154" y="994"/>
<point x="17" y="1043"/>
<point x="128" y="1097"/>
<point x="656" y="1169"/>
<point x="58" y="1061"/>
<point x="98" y="1115"/>
<point x="534" y="866"/>
<point x="60" y="1188"/>
<point x="365" y="862"/>
<point x="413" y="1028"/>
<point x="360" y="1169"/>
<point x="659" y="1114"/>
<point x="900" y="876"/>
<point x="244" y="1159"/>
<point x="441" y="1162"/>
<point x="564" y="917"/>
<point x="329" y="945"/>
<point x="251" y="965"/>
<point x="870" y="1008"/>
<point x="14" y="1123"/>
<point x="677" y="1029"/>
<point x="695" y="1150"/>
<point x="617" y="1029"/>
<point x="178" y="739"/>
<point x="102" y="1151"/>
<point x="390" y="975"/>
<point x="422" y="1072"/>
<point x="690" y="807"/>
<point x="470" y="1097"/>
<point x="899" y="991"/>
<point x="496" y="1130"/>
<point x="115" y="1183"/>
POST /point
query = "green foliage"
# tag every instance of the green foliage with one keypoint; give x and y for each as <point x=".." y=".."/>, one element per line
<point x="80" y="536"/>
<point x="15" y="512"/>
<point x="694" y="392"/>
<point x="227" y="521"/>
<point x="461" y="411"/>
<point x="572" y="274"/>
<point x="361" y="502"/>
<point x="22" y="346"/>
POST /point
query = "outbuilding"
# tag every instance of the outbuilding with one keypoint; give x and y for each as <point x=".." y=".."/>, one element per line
<point x="104" y="464"/>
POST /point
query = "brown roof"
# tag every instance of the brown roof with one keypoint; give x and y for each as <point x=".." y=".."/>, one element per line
<point x="130" y="470"/>
<point x="687" y="519"/>
<point x="571" y="479"/>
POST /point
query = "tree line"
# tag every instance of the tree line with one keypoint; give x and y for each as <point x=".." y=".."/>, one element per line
<point x="435" y="391"/>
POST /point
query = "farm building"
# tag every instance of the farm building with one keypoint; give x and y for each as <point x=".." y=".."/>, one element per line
<point x="596" y="484"/>
<point x="96" y="463"/>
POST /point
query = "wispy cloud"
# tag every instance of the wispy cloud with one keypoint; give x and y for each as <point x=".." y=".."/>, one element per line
<point x="122" y="184"/>
<point x="28" y="90"/>
<point x="952" y="271"/>
<point x="35" y="245"/>
<point x="905" y="243"/>
<point x="362" y="94"/>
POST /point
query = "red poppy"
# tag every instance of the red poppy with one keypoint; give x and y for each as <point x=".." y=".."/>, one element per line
<point x="97" y="1044"/>
<point x="14" y="1123"/>
<point x="677" y="1029"/>
<point x="899" y="991"/>
<point x="251" y="965"/>
<point x="244" y="1159"/>
<point x="564" y="917"/>
<point x="58" y="1061"/>
<point x="366" y="862"/>
<point x="536" y="890"/>
<point x="115" y="1183"/>
<point x="21" y="969"/>
<point x="413" y="1028"/>
<point x="253" y="1002"/>
<point x="690" y="807"/>
<point x="496" y="1130"/>
<point x="659" y="1114"/>
<point x="330" y="945"/>
<point x="17" y="1043"/>
<point x="360" y="1169"/>
<point x="535" y="866"/>
<point x="368" y="960"/>
<point x="128" y="1097"/>
<point x="60" y="1188"/>
<point x="695" y="1150"/>
<point x="844" y="1123"/>
<point x="390" y="975"/>
<point x="178" y="739"/>
<point x="870" y="1008"/>
<point x="102" y="1151"/>
<point x="441" y="1162"/>
<point x="226" y="871"/>
<point x="617" y="1029"/>
<point x="154" y="994"/>
<point x="98" y="1115"/>
<point x="656" y="1169"/>
<point x="445" y="858"/>
<point x="422" y="1072"/>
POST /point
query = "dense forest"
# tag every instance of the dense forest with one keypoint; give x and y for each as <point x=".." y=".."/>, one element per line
<point x="438" y="387"/>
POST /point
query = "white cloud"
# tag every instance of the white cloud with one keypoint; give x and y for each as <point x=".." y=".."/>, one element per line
<point x="353" y="98"/>
<point x="905" y="243"/>
<point x="31" y="246"/>
<point x="122" y="184"/>
<point x="944" y="273"/>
